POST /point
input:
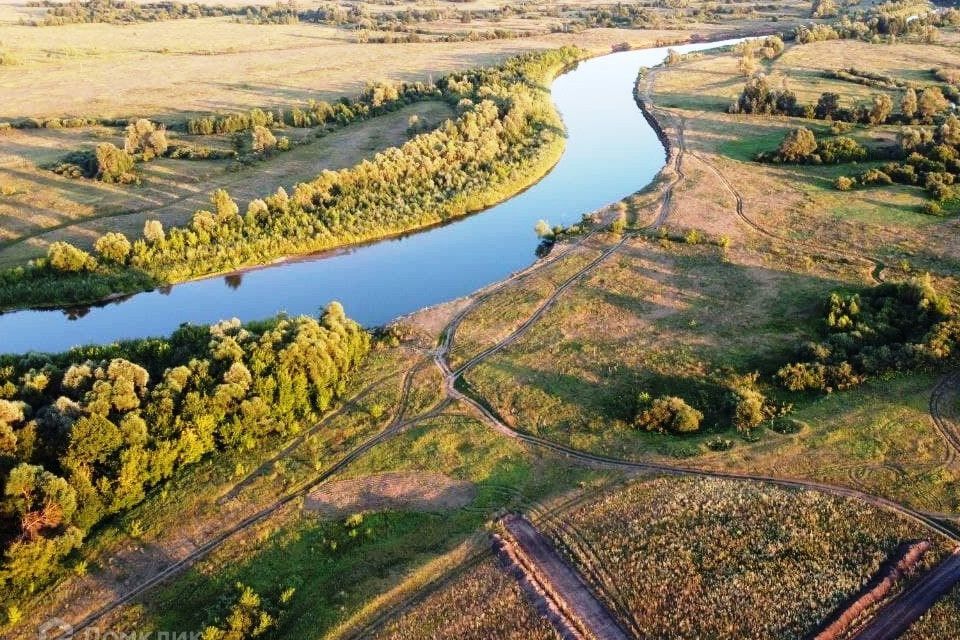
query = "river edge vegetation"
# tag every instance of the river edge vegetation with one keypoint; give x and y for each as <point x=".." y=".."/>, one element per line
<point x="820" y="320"/>
<point x="88" y="433"/>
<point x="508" y="136"/>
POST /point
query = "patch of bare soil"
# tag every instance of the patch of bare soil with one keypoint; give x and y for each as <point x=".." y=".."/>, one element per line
<point x="416" y="491"/>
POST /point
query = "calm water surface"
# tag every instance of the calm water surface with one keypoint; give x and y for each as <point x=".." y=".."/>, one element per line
<point x="611" y="152"/>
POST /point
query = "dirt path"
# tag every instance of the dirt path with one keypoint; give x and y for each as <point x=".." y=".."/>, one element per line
<point x="876" y="267"/>
<point x="577" y="609"/>
<point x="943" y="401"/>
<point x="896" y="617"/>
<point x="396" y="427"/>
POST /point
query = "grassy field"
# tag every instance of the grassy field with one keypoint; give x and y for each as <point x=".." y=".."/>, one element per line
<point x="336" y="572"/>
<point x="664" y="317"/>
<point x="484" y="603"/>
<point x="704" y="558"/>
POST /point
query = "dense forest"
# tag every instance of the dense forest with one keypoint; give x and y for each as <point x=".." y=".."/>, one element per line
<point x="507" y="135"/>
<point x="85" y="434"/>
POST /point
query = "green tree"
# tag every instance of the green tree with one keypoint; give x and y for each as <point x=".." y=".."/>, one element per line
<point x="949" y="132"/>
<point x="42" y="500"/>
<point x="667" y="413"/>
<point x="823" y="9"/>
<point x="113" y="165"/>
<point x="225" y="207"/>
<point x="908" y="104"/>
<point x="153" y="231"/>
<point x="246" y="619"/>
<point x="827" y="105"/>
<point x="262" y="140"/>
<point x="930" y="103"/>
<point x="880" y="109"/>
<point x="543" y="229"/>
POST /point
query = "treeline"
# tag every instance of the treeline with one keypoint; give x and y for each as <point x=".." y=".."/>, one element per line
<point x="376" y="99"/>
<point x="87" y="433"/>
<point x="891" y="327"/>
<point x="507" y="135"/>
<point x="759" y="97"/>
<point x="871" y="79"/>
<point x="127" y="12"/>
<point x="251" y="131"/>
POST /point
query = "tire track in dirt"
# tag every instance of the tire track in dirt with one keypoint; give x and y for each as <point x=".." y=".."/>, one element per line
<point x="572" y="601"/>
<point x="876" y="267"/>
<point x="897" y="616"/>
<point x="244" y="524"/>
<point x="300" y="439"/>
<point x="943" y="402"/>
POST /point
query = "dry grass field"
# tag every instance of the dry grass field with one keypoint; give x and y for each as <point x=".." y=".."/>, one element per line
<point x="483" y="604"/>
<point x="704" y="558"/>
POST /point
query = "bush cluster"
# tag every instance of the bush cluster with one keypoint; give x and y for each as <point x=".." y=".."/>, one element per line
<point x="891" y="327"/>
<point x="802" y="146"/>
<point x="86" y="434"/>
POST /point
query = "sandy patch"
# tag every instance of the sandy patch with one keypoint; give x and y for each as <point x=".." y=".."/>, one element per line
<point x="413" y="491"/>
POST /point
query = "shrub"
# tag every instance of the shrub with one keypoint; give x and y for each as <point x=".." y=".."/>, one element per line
<point x="875" y="177"/>
<point x="262" y="140"/>
<point x="113" y="165"/>
<point x="145" y="138"/>
<point x="667" y="413"/>
<point x="843" y="183"/>
<point x="758" y="97"/>
<point x="153" y="231"/>
<point x="932" y="208"/>
<point x="891" y="327"/>
<point x="113" y="247"/>
<point x="787" y="426"/>
<point x="798" y="145"/>
<point x="693" y="236"/>
<point x="63" y="256"/>
<point x="840" y="149"/>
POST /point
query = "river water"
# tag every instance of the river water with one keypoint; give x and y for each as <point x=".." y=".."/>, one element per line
<point x="611" y="152"/>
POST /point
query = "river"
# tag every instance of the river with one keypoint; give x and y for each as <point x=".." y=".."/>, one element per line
<point x="611" y="152"/>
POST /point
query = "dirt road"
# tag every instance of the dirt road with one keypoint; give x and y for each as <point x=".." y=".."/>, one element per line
<point x="573" y="599"/>
<point x="896" y="617"/>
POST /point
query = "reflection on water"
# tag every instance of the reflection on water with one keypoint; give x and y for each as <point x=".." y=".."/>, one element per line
<point x="233" y="280"/>
<point x="611" y="152"/>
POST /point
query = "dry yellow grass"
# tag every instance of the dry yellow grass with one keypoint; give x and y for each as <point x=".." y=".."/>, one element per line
<point x="164" y="69"/>
<point x="48" y="207"/>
